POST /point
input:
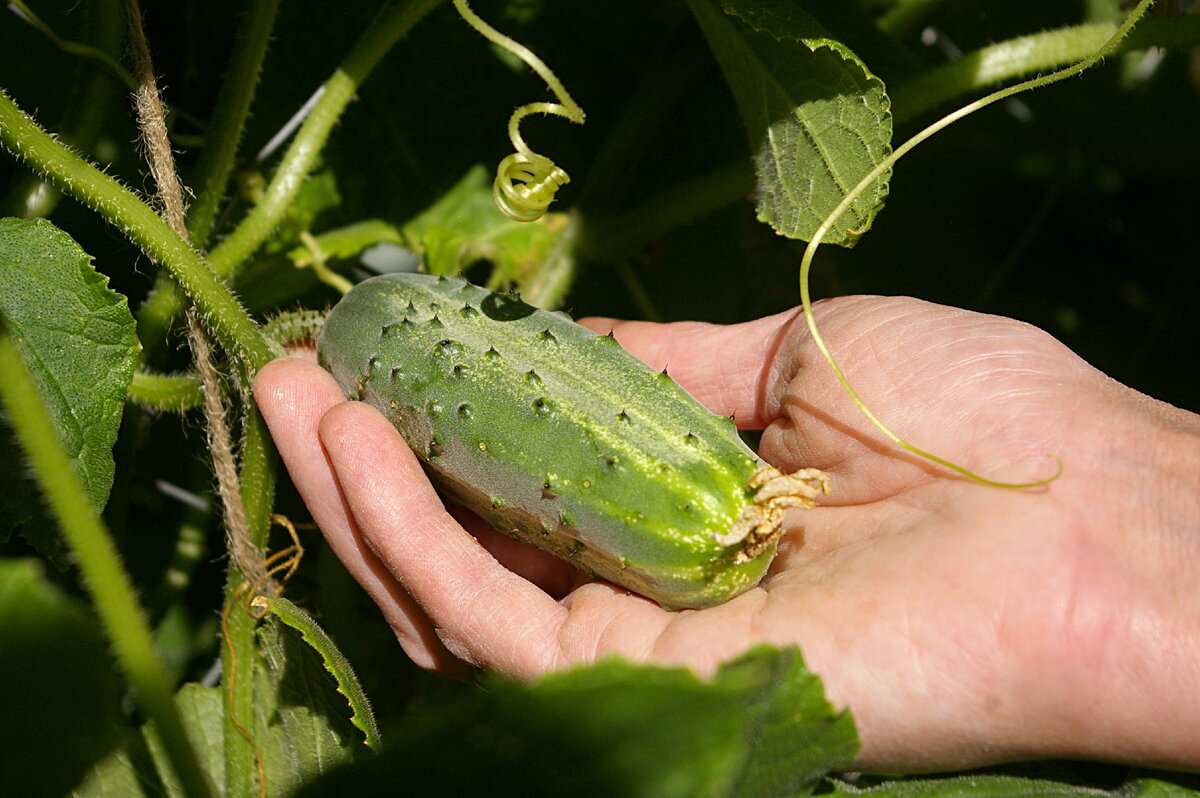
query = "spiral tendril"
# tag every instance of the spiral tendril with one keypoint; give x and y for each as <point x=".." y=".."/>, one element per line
<point x="526" y="181"/>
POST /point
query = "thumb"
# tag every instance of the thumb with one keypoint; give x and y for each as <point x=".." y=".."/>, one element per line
<point x="727" y="368"/>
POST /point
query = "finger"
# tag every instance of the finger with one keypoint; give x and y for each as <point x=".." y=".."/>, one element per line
<point x="482" y="612"/>
<point x="730" y="369"/>
<point x="293" y="395"/>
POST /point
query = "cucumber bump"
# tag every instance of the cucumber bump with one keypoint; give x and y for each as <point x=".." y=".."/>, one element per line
<point x="561" y="438"/>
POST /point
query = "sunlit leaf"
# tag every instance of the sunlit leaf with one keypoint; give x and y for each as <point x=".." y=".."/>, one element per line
<point x="817" y="119"/>
<point x="761" y="726"/>
<point x="302" y="725"/>
<point x="77" y="337"/>
<point x="465" y="226"/>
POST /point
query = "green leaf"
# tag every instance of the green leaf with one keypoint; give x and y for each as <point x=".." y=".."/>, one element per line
<point x="783" y="761"/>
<point x="464" y="226"/>
<point x="59" y="695"/>
<point x="1154" y="788"/>
<point x="118" y="775"/>
<point x="347" y="242"/>
<point x="761" y="726"/>
<point x="139" y="767"/>
<point x="203" y="711"/>
<point x="302" y="725"/>
<point x="77" y="337"/>
<point x="981" y="786"/>
<point x="817" y="119"/>
<point x="335" y="663"/>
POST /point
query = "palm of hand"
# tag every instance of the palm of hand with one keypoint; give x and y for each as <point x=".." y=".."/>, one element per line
<point x="941" y="611"/>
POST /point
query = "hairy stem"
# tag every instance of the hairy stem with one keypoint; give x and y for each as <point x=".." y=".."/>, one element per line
<point x="170" y="392"/>
<point x="1027" y="55"/>
<point x="229" y="117"/>
<point x="165" y="301"/>
<point x="100" y="567"/>
<point x="237" y="677"/>
<point x="243" y="762"/>
<point x="152" y="122"/>
<point x="259" y="464"/>
<point x="258" y="494"/>
<point x="22" y="136"/>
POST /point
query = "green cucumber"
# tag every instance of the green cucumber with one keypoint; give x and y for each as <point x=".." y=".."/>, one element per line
<point x="559" y="437"/>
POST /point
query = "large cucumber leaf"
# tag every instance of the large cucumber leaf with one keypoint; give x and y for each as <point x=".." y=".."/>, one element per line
<point x="761" y="726"/>
<point x="77" y="337"/>
<point x="817" y="119"/>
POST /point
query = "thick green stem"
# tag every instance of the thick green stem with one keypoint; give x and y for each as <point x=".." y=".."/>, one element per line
<point x="103" y="575"/>
<point x="229" y="118"/>
<point x="170" y="392"/>
<point x="238" y="654"/>
<point x="1027" y="55"/>
<point x="259" y="461"/>
<point x="240" y="651"/>
<point x="302" y="154"/>
<point x="165" y="301"/>
<point x="140" y="223"/>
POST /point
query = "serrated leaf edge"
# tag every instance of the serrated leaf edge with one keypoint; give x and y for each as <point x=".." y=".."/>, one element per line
<point x="335" y="662"/>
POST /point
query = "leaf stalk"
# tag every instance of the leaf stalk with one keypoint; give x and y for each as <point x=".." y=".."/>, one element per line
<point x="104" y="577"/>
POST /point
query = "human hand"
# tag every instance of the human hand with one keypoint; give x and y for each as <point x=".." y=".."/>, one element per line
<point x="961" y="624"/>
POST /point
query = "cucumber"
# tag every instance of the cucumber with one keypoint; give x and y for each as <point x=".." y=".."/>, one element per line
<point x="559" y="437"/>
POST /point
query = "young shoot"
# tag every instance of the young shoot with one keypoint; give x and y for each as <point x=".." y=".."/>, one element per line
<point x="806" y="261"/>
<point x="526" y="181"/>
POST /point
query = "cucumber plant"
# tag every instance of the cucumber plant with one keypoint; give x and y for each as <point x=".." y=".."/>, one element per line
<point x="88" y="382"/>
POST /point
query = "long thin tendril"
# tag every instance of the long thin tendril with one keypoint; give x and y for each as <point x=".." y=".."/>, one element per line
<point x="526" y="181"/>
<point x="887" y="163"/>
